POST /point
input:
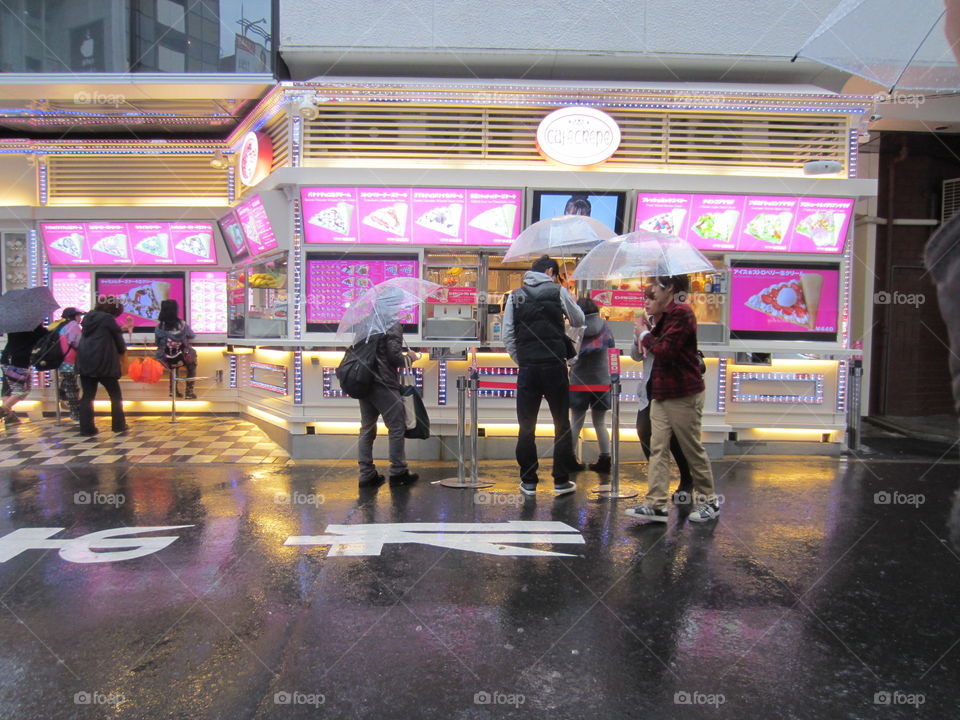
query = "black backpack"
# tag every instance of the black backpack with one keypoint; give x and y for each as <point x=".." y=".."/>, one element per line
<point x="357" y="371"/>
<point x="47" y="352"/>
<point x="172" y="352"/>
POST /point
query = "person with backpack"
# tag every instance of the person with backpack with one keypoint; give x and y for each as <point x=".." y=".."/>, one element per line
<point x="15" y="362"/>
<point x="98" y="362"/>
<point x="69" y="338"/>
<point x="534" y="336"/>
<point x="173" y="338"/>
<point x="385" y="357"/>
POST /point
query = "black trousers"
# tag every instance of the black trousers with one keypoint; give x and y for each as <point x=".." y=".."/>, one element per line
<point x="89" y="387"/>
<point x="534" y="384"/>
<point x="644" y="431"/>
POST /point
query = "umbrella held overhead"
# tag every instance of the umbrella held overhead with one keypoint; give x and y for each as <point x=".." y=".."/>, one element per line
<point x="641" y="254"/>
<point x="383" y="305"/>
<point x="564" y="235"/>
<point x="23" y="310"/>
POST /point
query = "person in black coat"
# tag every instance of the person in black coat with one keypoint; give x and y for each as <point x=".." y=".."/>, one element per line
<point x="98" y="361"/>
<point x="15" y="362"/>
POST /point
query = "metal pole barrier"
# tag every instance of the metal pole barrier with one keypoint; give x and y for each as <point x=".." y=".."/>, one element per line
<point x="854" y="419"/>
<point x="56" y="392"/>
<point x="461" y="481"/>
<point x="613" y="490"/>
<point x="173" y="395"/>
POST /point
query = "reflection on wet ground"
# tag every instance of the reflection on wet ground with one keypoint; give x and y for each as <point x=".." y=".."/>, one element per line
<point x="825" y="590"/>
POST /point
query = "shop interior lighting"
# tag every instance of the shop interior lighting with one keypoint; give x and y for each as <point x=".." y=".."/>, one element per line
<point x="722" y="386"/>
<point x="738" y="395"/>
<point x="298" y="377"/>
<point x="842" y="369"/>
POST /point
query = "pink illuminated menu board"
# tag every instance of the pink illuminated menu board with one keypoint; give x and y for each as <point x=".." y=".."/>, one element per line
<point x="422" y="216"/>
<point x="139" y="243"/>
<point x="71" y="289"/>
<point x="208" y="302"/>
<point x="334" y="283"/>
<point x="748" y="223"/>
<point x="256" y="226"/>
<point x="768" y="302"/>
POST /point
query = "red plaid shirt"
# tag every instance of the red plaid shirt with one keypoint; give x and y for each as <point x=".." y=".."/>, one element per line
<point x="673" y="342"/>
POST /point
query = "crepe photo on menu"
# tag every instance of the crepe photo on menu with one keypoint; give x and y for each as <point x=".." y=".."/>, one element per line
<point x="717" y="225"/>
<point x="796" y="301"/>
<point x="336" y="218"/>
<point x="156" y="245"/>
<point x="497" y="220"/>
<point x="144" y="301"/>
<point x="115" y="245"/>
<point x="822" y="227"/>
<point x="71" y="244"/>
<point x="770" y="227"/>
<point x="445" y="219"/>
<point x="390" y="218"/>
<point x="668" y="222"/>
<point x="198" y="244"/>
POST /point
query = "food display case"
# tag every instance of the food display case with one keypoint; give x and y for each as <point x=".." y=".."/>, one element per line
<point x="453" y="313"/>
<point x="15" y="269"/>
<point x="267" y="309"/>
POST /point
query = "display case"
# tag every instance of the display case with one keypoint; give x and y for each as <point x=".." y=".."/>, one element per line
<point x="15" y="270"/>
<point x="267" y="299"/>
<point x="453" y="313"/>
<point x="708" y="299"/>
<point x="236" y="301"/>
<point x="502" y="277"/>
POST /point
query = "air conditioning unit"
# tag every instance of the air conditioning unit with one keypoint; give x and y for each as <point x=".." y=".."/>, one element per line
<point x="950" y="202"/>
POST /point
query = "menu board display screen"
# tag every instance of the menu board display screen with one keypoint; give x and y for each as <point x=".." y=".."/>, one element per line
<point x="141" y="295"/>
<point x="256" y="227"/>
<point x="748" y="223"/>
<point x="208" y="302"/>
<point x="335" y="282"/>
<point x="777" y="302"/>
<point x="233" y="237"/>
<point x="129" y="243"/>
<point x="606" y="207"/>
<point x="71" y="289"/>
<point x="411" y="216"/>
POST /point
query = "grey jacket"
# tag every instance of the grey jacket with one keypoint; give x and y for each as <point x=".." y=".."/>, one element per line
<point x="570" y="309"/>
<point x="590" y="366"/>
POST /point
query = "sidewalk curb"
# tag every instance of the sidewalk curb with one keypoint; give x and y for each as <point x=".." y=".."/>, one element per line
<point x="909" y="432"/>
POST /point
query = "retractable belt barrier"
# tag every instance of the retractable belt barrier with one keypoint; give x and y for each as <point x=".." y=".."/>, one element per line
<point x="461" y="481"/>
<point x="613" y="491"/>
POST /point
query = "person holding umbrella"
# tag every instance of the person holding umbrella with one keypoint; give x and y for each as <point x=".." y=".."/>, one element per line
<point x="676" y="403"/>
<point x="533" y="333"/>
<point x="15" y="361"/>
<point x="98" y="362"/>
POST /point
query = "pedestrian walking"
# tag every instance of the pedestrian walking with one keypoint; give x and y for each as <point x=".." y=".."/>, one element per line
<point x="15" y="362"/>
<point x="534" y="336"/>
<point x="98" y="362"/>
<point x="70" y="333"/>
<point x="676" y="404"/>
<point x="590" y="385"/>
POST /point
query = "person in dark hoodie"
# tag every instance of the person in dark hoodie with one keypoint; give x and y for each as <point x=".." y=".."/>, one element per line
<point x="98" y="361"/>
<point x="534" y="336"/>
<point x="173" y="338"/>
<point x="590" y="384"/>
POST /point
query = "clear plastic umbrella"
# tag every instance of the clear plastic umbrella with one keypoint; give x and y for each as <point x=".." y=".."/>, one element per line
<point x="383" y="305"/>
<point x="641" y="254"/>
<point x="564" y="235"/>
<point x="898" y="44"/>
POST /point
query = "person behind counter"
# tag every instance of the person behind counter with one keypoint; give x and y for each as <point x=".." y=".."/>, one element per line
<point x="654" y="310"/>
<point x="590" y="384"/>
<point x="173" y="338"/>
<point x="98" y="361"/>
<point x="533" y="334"/>
<point x="15" y="361"/>
<point x="676" y="405"/>
<point x="70" y="334"/>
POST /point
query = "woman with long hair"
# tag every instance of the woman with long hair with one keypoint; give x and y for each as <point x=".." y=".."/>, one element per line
<point x="173" y="338"/>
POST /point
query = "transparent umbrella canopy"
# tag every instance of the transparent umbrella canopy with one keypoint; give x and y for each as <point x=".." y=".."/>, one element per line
<point x="383" y="305"/>
<point x="564" y="235"/>
<point x="898" y="44"/>
<point x="641" y="254"/>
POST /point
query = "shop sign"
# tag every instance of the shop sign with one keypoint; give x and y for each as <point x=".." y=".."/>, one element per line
<point x="256" y="157"/>
<point x="578" y="136"/>
<point x="619" y="298"/>
<point x="454" y="296"/>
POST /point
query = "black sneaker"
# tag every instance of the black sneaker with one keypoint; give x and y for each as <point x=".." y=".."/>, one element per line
<point x="528" y="488"/>
<point x="645" y="512"/>
<point x="373" y="481"/>
<point x="11" y="418"/>
<point x="404" y="478"/>
<point x="564" y="488"/>
<point x="575" y="465"/>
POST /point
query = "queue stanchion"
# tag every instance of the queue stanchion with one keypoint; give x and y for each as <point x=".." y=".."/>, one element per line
<point x="613" y="491"/>
<point x="475" y="481"/>
<point x="173" y="395"/>
<point x="56" y="392"/>
<point x="461" y="481"/>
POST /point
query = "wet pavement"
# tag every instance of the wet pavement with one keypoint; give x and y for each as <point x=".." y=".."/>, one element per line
<point x="825" y="590"/>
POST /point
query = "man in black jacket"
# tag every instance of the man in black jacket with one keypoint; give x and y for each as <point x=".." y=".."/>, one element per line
<point x="533" y="333"/>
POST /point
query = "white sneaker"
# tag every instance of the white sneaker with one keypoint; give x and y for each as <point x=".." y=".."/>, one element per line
<point x="704" y="513"/>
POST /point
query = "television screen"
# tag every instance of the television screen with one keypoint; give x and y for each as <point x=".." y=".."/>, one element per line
<point x="256" y="227"/>
<point x="784" y="302"/>
<point x="334" y="282"/>
<point x="607" y="207"/>
<point x="233" y="237"/>
<point x="141" y="294"/>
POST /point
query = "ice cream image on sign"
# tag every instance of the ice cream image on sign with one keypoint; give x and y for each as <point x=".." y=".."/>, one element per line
<point x="812" y="284"/>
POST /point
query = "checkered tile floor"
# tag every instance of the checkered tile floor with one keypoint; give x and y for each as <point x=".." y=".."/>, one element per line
<point x="151" y="439"/>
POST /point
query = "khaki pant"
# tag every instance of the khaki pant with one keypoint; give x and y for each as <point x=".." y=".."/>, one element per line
<point x="680" y="418"/>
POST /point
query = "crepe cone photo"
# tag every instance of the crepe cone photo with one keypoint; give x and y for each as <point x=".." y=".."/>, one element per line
<point x="161" y="290"/>
<point x="812" y="285"/>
